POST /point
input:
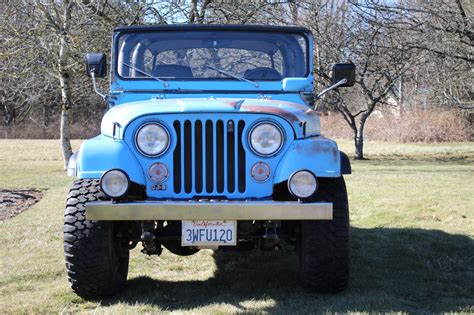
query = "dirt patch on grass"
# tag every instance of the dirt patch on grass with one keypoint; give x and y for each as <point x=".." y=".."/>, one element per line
<point x="14" y="202"/>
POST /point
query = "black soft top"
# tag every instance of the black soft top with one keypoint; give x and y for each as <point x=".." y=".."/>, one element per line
<point x="225" y="27"/>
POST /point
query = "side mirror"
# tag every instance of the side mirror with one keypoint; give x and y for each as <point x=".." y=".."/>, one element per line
<point x="97" y="63"/>
<point x="342" y="71"/>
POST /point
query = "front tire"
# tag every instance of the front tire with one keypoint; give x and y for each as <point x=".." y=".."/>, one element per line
<point x="96" y="260"/>
<point x="325" y="245"/>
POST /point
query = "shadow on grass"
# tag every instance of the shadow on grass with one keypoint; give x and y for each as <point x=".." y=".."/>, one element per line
<point x="408" y="270"/>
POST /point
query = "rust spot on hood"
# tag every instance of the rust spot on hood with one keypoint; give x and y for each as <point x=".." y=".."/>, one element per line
<point x="297" y="106"/>
<point x="318" y="147"/>
<point x="233" y="104"/>
<point x="288" y="115"/>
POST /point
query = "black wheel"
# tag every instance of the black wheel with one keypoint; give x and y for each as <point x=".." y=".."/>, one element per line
<point x="325" y="245"/>
<point x="96" y="261"/>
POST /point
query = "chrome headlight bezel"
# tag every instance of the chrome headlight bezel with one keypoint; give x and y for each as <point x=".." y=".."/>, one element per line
<point x="273" y="124"/>
<point x="164" y="169"/>
<point x="124" y="189"/>
<point x="291" y="187"/>
<point x="160" y="125"/>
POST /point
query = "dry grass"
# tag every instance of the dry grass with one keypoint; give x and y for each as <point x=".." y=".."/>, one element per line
<point x="414" y="126"/>
<point x="84" y="129"/>
<point x="426" y="126"/>
<point x="412" y="219"/>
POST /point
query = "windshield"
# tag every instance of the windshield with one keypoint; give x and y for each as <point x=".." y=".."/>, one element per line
<point x="211" y="55"/>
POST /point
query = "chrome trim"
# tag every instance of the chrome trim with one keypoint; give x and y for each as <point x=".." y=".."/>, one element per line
<point x="270" y="122"/>
<point x="126" y="176"/>
<point x="208" y="210"/>
<point x="269" y="174"/>
<point x="167" y="173"/>
<point x="293" y="174"/>
<point x="96" y="90"/>
<point x="158" y="123"/>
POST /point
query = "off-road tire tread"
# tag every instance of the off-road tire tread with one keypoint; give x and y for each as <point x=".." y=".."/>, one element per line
<point x="87" y="246"/>
<point x="325" y="245"/>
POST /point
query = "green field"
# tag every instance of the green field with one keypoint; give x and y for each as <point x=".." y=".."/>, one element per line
<point x="412" y="216"/>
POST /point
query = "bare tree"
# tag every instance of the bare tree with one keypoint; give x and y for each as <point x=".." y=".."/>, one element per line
<point x="417" y="53"/>
<point x="45" y="45"/>
<point x="57" y="17"/>
<point x="447" y="21"/>
<point x="347" y="35"/>
<point x="444" y="30"/>
<point x="26" y="81"/>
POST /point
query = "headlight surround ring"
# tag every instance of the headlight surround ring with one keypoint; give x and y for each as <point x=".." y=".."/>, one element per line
<point x="158" y="172"/>
<point x="114" y="177"/>
<point x="257" y="128"/>
<point x="309" y="181"/>
<point x="164" y="132"/>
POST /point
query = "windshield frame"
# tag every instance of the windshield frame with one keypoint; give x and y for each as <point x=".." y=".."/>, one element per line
<point x="304" y="33"/>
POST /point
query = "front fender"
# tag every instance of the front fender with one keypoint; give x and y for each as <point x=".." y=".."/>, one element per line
<point x="317" y="154"/>
<point x="102" y="153"/>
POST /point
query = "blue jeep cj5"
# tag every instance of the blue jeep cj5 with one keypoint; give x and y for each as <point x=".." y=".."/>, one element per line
<point x="210" y="140"/>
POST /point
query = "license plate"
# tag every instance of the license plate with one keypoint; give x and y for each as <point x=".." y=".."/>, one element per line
<point x="208" y="233"/>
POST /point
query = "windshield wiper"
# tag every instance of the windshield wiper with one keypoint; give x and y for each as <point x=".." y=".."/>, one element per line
<point x="229" y="74"/>
<point x="146" y="74"/>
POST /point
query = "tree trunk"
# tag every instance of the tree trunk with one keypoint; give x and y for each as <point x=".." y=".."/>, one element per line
<point x="359" y="146"/>
<point x="65" y="136"/>
<point x="193" y="12"/>
<point x="57" y="15"/>
<point x="64" y="81"/>
<point x="401" y="96"/>
<point x="66" y="100"/>
<point x="359" y="141"/>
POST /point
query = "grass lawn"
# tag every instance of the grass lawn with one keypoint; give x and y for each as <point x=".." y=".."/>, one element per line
<point x="412" y="217"/>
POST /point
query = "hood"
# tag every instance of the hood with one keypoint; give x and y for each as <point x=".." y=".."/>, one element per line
<point x="304" y="120"/>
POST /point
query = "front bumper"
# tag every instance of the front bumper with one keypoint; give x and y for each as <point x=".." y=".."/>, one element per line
<point x="219" y="210"/>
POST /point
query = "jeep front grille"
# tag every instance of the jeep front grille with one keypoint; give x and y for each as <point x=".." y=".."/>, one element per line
<point x="209" y="158"/>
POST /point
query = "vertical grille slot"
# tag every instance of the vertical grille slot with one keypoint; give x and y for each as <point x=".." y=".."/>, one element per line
<point x="177" y="158"/>
<point x="220" y="156"/>
<point x="198" y="157"/>
<point x="241" y="158"/>
<point x="230" y="156"/>
<point x="188" y="172"/>
<point x="209" y="157"/>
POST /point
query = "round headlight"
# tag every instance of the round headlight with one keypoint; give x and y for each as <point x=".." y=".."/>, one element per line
<point x="302" y="184"/>
<point x="114" y="183"/>
<point x="152" y="139"/>
<point x="266" y="139"/>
